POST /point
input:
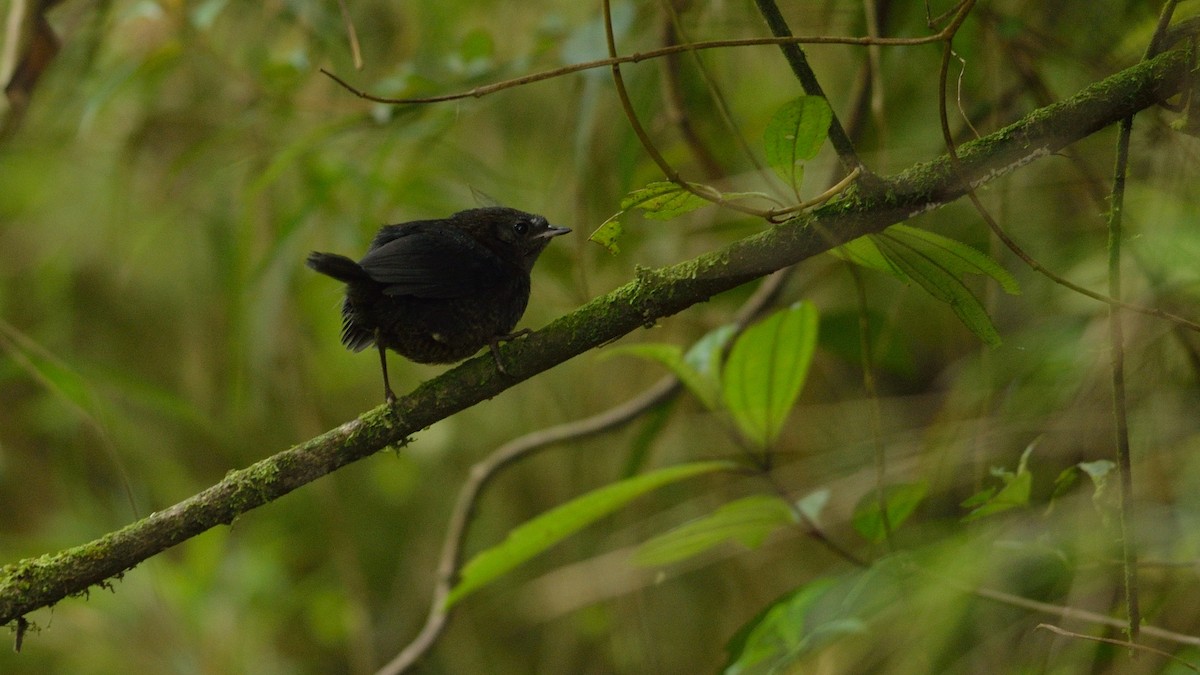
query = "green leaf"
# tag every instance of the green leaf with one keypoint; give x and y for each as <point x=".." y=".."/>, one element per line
<point x="1013" y="495"/>
<point x="939" y="280"/>
<point x="663" y="201"/>
<point x="776" y="631"/>
<point x="704" y="358"/>
<point x="902" y="500"/>
<point x="766" y="370"/>
<point x="672" y="357"/>
<point x="791" y="627"/>
<point x="937" y="264"/>
<point x="705" y="354"/>
<point x="795" y="134"/>
<point x="697" y="370"/>
<point x="1015" y="492"/>
<point x="546" y="530"/>
<point x="979" y="498"/>
<point x="607" y="234"/>
<point x="865" y="253"/>
<point x="955" y="256"/>
<point x="749" y="521"/>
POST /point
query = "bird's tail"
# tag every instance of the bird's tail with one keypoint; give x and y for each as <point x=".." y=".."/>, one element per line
<point x="337" y="266"/>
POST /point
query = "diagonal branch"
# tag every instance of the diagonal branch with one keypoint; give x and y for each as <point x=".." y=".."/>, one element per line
<point x="39" y="582"/>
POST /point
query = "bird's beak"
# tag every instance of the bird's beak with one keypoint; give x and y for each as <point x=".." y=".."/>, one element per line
<point x="551" y="231"/>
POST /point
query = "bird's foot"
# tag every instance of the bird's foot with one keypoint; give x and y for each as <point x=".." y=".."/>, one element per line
<point x="494" y="346"/>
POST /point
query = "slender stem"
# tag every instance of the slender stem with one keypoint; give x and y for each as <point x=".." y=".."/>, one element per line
<point x="1117" y="351"/>
<point x="636" y="57"/>
<point x="867" y="360"/>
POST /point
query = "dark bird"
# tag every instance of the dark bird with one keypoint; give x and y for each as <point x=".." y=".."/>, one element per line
<point x="437" y="291"/>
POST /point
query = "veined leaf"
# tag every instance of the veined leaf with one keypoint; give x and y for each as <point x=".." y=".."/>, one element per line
<point x="956" y="256"/>
<point x="749" y="521"/>
<point x="794" y="135"/>
<point x="546" y="530"/>
<point x="766" y="370"/>
<point x="939" y="278"/>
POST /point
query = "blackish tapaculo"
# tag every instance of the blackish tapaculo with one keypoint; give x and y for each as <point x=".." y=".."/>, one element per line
<point x="437" y="291"/>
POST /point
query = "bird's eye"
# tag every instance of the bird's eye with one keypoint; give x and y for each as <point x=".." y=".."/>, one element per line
<point x="521" y="227"/>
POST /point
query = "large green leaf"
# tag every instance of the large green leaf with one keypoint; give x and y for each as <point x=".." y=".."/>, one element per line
<point x="939" y="280"/>
<point x="794" y="135"/>
<point x="766" y="370"/>
<point x="546" y="530"/>
<point x="748" y="520"/>
<point x="937" y="264"/>
<point x="956" y="256"/>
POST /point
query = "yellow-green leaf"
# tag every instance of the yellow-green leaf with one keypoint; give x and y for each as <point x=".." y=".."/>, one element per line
<point x="546" y="530"/>
<point x="766" y="370"/>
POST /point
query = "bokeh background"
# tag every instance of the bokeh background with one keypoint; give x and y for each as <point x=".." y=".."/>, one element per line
<point x="158" y="328"/>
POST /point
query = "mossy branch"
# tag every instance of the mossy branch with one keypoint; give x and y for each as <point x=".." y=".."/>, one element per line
<point x="39" y="582"/>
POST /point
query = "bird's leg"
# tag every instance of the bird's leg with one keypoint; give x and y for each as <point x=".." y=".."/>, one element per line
<point x="494" y="346"/>
<point x="389" y="395"/>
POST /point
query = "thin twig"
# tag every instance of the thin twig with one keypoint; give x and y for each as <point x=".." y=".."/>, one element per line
<point x="636" y="57"/>
<point x="1120" y="643"/>
<point x="1065" y="612"/>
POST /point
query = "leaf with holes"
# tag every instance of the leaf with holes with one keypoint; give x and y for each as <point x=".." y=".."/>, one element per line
<point x="607" y="234"/>
<point x="662" y="201"/>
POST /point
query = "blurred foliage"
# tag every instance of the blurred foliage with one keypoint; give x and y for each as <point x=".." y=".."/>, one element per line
<point x="158" y="328"/>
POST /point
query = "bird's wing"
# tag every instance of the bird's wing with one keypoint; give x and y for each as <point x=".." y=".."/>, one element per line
<point x="441" y="263"/>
